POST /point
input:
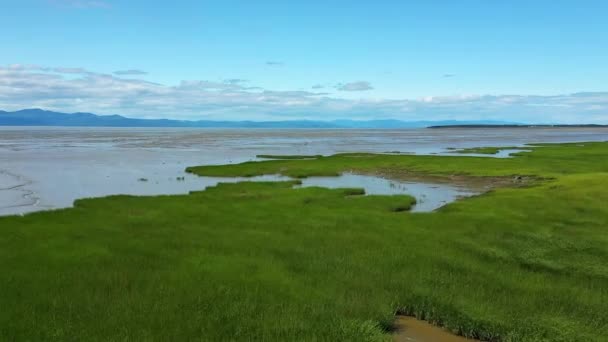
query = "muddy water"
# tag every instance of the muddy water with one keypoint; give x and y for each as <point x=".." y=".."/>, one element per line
<point x="43" y="168"/>
<point x="410" y="329"/>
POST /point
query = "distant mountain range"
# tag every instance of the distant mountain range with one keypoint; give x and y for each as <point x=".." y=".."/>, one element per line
<point x="39" y="117"/>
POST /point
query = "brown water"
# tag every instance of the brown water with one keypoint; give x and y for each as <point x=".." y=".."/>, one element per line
<point x="44" y="168"/>
<point x="410" y="329"/>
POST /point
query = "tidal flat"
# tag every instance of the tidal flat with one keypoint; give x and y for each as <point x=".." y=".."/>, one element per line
<point x="270" y="261"/>
<point x="58" y="165"/>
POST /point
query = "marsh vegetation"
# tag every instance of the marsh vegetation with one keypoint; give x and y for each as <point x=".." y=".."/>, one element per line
<point x="266" y="261"/>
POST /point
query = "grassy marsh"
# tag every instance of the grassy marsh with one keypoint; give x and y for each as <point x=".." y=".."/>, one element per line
<point x="263" y="261"/>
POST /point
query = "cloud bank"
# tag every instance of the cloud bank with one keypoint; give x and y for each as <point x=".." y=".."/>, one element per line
<point x="76" y="89"/>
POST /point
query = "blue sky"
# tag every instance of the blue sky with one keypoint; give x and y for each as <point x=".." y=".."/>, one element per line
<point x="531" y="61"/>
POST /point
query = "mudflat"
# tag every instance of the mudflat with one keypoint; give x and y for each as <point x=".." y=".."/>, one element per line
<point x="410" y="329"/>
<point x="59" y="165"/>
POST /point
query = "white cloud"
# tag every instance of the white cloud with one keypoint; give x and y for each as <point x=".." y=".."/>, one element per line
<point x="75" y="89"/>
<point x="355" y="86"/>
<point x="70" y="70"/>
<point x="130" y="72"/>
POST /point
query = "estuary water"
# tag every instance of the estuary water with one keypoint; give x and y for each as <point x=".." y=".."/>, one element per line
<point x="47" y="168"/>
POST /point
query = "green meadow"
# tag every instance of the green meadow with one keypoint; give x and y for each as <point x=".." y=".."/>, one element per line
<point x="268" y="262"/>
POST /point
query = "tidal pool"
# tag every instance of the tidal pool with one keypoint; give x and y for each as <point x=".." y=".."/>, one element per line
<point x="429" y="195"/>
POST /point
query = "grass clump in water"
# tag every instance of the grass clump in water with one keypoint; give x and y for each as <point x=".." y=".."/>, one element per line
<point x="483" y="150"/>
<point x="353" y="191"/>
<point x="403" y="206"/>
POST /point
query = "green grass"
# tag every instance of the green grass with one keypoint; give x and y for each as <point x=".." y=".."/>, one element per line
<point x="353" y="191"/>
<point x="543" y="161"/>
<point x="264" y="261"/>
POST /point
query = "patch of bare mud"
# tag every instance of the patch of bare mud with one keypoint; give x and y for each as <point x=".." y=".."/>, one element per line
<point x="410" y="329"/>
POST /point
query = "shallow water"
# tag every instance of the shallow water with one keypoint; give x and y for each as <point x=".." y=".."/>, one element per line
<point x="429" y="196"/>
<point x="52" y="167"/>
<point x="15" y="195"/>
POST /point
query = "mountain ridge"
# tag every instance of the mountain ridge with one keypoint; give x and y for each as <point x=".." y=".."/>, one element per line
<point x="40" y="117"/>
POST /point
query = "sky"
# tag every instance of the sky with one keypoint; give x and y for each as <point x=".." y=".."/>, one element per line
<point x="517" y="61"/>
